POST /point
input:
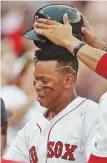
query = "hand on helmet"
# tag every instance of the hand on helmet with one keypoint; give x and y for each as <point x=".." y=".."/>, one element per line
<point x="58" y="33"/>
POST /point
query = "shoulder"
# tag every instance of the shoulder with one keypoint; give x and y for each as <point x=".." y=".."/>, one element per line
<point x="86" y="109"/>
<point x="88" y="106"/>
<point x="89" y="115"/>
<point x="91" y="110"/>
<point x="36" y="124"/>
<point x="91" y="104"/>
<point x="31" y="130"/>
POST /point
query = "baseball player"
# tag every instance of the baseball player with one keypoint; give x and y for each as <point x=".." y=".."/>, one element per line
<point x="67" y="135"/>
<point x="94" y="59"/>
<point x="78" y="116"/>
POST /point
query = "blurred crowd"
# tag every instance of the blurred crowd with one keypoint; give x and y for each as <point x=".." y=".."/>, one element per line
<point x="17" y="55"/>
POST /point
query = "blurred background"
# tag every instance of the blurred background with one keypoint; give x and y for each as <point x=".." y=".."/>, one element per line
<point x="17" y="58"/>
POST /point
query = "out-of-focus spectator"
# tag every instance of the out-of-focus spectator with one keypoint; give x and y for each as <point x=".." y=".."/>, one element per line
<point x="17" y="71"/>
<point x="13" y="23"/>
<point x="8" y="60"/>
<point x="5" y="114"/>
<point x="11" y="27"/>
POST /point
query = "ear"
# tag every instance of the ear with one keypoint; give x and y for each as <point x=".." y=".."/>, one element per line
<point x="69" y="79"/>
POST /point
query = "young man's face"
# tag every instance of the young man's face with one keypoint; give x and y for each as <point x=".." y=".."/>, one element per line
<point x="48" y="83"/>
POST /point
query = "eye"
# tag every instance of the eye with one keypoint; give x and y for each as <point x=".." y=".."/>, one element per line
<point x="45" y="81"/>
<point x="34" y="82"/>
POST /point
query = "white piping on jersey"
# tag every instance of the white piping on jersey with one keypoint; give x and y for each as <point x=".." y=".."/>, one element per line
<point x="75" y="104"/>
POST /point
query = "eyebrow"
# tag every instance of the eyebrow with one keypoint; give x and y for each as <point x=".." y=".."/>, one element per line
<point x="40" y="77"/>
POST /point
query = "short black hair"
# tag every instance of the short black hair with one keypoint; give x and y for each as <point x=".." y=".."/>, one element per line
<point x="63" y="57"/>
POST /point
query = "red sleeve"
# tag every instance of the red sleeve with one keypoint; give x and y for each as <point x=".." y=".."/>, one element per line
<point x="96" y="159"/>
<point x="101" y="67"/>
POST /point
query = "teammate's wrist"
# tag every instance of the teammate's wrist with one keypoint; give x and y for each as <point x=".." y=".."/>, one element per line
<point x="102" y="45"/>
<point x="71" y="44"/>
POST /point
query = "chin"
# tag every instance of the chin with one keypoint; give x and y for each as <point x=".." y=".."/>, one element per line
<point x="43" y="104"/>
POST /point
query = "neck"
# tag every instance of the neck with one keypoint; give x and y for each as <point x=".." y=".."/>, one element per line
<point x="64" y="102"/>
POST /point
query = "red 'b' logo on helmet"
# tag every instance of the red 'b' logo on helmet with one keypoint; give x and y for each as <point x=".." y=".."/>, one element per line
<point x="35" y="19"/>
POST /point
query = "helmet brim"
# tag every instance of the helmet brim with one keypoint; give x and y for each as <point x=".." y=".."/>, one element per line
<point x="31" y="34"/>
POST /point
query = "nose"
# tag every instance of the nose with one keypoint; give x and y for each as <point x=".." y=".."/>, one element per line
<point x="38" y="85"/>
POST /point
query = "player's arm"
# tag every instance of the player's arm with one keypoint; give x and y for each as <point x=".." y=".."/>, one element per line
<point x="18" y="150"/>
<point x="95" y="59"/>
<point x="61" y="35"/>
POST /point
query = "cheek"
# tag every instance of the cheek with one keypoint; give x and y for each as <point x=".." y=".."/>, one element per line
<point x="48" y="93"/>
<point x="58" y="89"/>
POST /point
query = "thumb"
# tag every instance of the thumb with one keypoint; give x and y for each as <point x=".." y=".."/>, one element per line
<point x="86" y="32"/>
<point x="65" y="18"/>
<point x="83" y="30"/>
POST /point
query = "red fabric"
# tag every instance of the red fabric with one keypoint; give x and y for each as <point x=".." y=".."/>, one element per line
<point x="16" y="38"/>
<point x="101" y="67"/>
<point x="95" y="159"/>
<point x="10" y="161"/>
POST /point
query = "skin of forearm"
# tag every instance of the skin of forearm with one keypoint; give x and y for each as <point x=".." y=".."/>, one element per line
<point x="90" y="56"/>
<point x="87" y="54"/>
<point x="19" y="113"/>
<point x="99" y="44"/>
